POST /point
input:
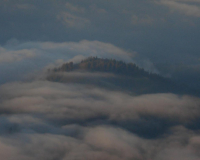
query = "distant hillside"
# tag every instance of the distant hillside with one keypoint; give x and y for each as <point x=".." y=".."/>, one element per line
<point x="127" y="77"/>
<point x="105" y="65"/>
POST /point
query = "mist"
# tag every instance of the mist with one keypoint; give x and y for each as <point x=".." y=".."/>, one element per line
<point x="41" y="119"/>
<point x="147" y="110"/>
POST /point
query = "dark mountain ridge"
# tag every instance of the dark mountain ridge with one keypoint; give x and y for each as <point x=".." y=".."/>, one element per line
<point x="127" y="77"/>
<point x="105" y="65"/>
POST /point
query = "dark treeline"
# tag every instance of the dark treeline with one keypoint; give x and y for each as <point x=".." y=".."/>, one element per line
<point x="106" y="65"/>
<point x="128" y="77"/>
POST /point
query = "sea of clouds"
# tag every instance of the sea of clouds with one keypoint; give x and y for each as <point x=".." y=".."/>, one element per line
<point x="51" y="120"/>
<point x="41" y="119"/>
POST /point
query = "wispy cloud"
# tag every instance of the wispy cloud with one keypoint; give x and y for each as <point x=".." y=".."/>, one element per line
<point x="73" y="8"/>
<point x="135" y="20"/>
<point x="78" y="50"/>
<point x="25" y="6"/>
<point x="7" y="56"/>
<point x="180" y="6"/>
<point x="71" y="20"/>
<point x="51" y="54"/>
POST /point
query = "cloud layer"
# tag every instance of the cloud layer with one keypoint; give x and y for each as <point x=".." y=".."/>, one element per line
<point x="43" y="120"/>
<point x="50" y="120"/>
<point x="7" y="56"/>
<point x="41" y="96"/>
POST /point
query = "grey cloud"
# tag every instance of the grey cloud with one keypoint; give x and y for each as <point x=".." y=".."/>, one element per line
<point x="98" y="10"/>
<point x="187" y="9"/>
<point x="188" y="1"/>
<point x="79" y="102"/>
<point x="97" y="142"/>
<point x="178" y="145"/>
<point x="90" y="48"/>
<point x="27" y="57"/>
<point x="83" y="48"/>
<point x="49" y="146"/>
<point x="74" y="8"/>
<point x="73" y="21"/>
<point x="15" y="55"/>
<point x="122" y="143"/>
<point x="135" y="20"/>
<point x="50" y="120"/>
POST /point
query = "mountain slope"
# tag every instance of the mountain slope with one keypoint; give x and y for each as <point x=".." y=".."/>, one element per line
<point x="116" y="75"/>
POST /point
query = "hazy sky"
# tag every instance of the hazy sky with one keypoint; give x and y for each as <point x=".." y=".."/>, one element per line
<point x="163" y="32"/>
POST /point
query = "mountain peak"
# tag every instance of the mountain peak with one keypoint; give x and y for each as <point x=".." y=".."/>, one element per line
<point x="95" y="64"/>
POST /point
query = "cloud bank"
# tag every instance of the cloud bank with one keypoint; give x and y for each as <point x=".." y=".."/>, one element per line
<point x="51" y="120"/>
<point x="9" y="56"/>
<point x="94" y="102"/>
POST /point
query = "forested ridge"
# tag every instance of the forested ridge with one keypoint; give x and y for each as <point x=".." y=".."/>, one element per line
<point x="128" y="76"/>
<point x="95" y="64"/>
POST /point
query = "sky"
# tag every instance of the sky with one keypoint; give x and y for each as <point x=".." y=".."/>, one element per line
<point x="73" y="119"/>
<point x="161" y="35"/>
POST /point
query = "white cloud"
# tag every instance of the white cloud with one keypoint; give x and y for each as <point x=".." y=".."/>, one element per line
<point x="7" y="55"/>
<point x="83" y="48"/>
<point x="185" y="8"/>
